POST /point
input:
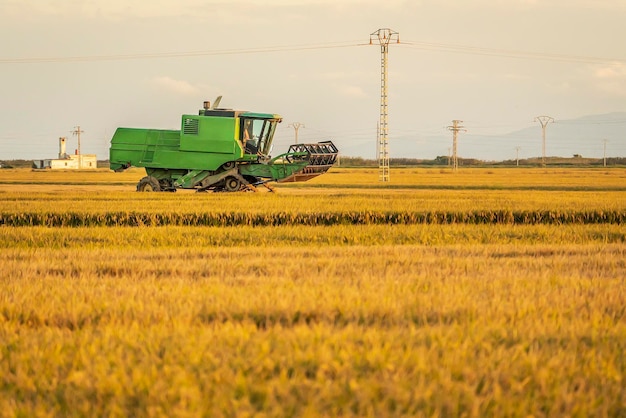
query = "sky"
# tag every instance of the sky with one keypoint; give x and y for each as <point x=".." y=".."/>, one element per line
<point x="494" y="64"/>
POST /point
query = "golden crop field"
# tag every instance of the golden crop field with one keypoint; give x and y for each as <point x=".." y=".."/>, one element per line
<point x="490" y="292"/>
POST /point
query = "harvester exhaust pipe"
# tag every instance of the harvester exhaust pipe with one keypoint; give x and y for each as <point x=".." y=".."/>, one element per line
<point x="216" y="103"/>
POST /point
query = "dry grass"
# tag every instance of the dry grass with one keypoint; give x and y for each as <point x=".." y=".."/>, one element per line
<point x="463" y="319"/>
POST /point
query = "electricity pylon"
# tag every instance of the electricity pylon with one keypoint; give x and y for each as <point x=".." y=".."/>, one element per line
<point x="296" y="126"/>
<point x="544" y="121"/>
<point x="383" y="37"/>
<point x="455" y="128"/>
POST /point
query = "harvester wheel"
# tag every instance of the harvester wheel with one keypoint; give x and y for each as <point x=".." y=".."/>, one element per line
<point x="232" y="184"/>
<point x="166" y="185"/>
<point x="228" y="166"/>
<point x="148" y="184"/>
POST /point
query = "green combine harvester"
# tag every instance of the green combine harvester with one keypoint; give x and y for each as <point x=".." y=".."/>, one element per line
<point x="217" y="149"/>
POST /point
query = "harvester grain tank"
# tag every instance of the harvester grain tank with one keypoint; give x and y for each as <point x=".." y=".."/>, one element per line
<point x="217" y="149"/>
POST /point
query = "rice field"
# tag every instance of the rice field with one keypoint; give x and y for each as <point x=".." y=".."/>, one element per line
<point x="485" y="293"/>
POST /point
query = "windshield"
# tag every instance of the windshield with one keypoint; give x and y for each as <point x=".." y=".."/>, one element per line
<point x="257" y="135"/>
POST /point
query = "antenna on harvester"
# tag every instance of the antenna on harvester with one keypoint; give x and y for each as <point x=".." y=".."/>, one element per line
<point x="383" y="37"/>
<point x="216" y="103"/>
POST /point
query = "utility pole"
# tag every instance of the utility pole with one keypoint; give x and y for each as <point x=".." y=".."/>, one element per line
<point x="605" y="141"/>
<point x="544" y="121"/>
<point x="77" y="131"/>
<point x="383" y="37"/>
<point x="296" y="126"/>
<point x="455" y="128"/>
<point x="449" y="151"/>
<point x="106" y="140"/>
<point x="517" y="156"/>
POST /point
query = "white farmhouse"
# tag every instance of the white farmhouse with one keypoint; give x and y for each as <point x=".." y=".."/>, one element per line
<point x="68" y="162"/>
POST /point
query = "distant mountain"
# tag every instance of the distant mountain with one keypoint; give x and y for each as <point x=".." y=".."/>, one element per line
<point x="583" y="136"/>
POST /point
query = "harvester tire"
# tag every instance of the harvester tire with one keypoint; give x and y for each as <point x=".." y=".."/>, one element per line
<point x="166" y="185"/>
<point x="232" y="184"/>
<point x="148" y="184"/>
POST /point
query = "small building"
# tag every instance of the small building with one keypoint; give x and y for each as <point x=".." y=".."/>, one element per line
<point x="68" y="162"/>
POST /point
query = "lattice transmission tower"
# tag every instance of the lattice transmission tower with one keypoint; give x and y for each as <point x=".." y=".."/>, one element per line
<point x="455" y="128"/>
<point x="383" y="37"/>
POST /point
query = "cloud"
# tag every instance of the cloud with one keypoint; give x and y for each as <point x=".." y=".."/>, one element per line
<point x="336" y="75"/>
<point x="179" y="87"/>
<point x="341" y="82"/>
<point x="515" y="77"/>
<point x="351" y="91"/>
<point x="341" y="75"/>
<point x="611" y="79"/>
<point x="612" y="72"/>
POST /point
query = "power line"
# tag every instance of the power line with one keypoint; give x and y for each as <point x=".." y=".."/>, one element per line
<point x="420" y="45"/>
<point x="510" y="53"/>
<point x="594" y="122"/>
<point x="183" y="54"/>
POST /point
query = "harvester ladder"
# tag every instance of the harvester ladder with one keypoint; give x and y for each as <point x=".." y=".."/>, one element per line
<point x="152" y="142"/>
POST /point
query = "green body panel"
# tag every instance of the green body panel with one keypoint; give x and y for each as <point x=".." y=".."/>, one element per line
<point x="215" y="135"/>
<point x="214" y="144"/>
<point x="192" y="178"/>
<point x="272" y="171"/>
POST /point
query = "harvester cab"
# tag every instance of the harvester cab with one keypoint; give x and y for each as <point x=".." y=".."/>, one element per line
<point x="256" y="135"/>
<point x="217" y="149"/>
